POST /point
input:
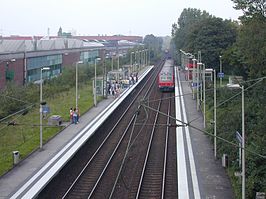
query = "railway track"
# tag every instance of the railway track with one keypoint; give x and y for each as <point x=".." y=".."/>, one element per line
<point x="113" y="168"/>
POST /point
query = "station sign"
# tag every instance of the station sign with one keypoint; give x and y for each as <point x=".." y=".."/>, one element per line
<point x="220" y="75"/>
<point x="194" y="84"/>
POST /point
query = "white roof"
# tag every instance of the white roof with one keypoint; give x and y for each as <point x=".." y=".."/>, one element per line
<point x="7" y="46"/>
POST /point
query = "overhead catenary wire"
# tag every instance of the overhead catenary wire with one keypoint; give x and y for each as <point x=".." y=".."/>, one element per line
<point x="196" y="128"/>
<point x="16" y="99"/>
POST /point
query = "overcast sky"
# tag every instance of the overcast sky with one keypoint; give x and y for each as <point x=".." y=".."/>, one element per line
<point x="104" y="17"/>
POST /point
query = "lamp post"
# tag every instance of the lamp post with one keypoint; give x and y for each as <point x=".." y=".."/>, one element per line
<point x="243" y="139"/>
<point x="95" y="94"/>
<point x="193" y="77"/>
<point x="41" y="104"/>
<point x="118" y="61"/>
<point x="131" y="61"/>
<point x="112" y="63"/>
<point x="149" y="61"/>
<point x="146" y="57"/>
<point x="198" y="65"/>
<point x="215" y="123"/>
<point x="221" y="71"/>
<point x="243" y="146"/>
<point x="77" y="63"/>
<point x="142" y="58"/>
<point x="204" y="96"/>
<point x="135" y="60"/>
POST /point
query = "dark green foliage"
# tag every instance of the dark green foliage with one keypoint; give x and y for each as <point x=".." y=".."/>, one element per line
<point x="154" y="45"/>
<point x="243" y="49"/>
<point x="251" y="8"/>
<point x="199" y="31"/>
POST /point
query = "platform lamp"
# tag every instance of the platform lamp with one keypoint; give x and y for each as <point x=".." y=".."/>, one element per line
<point x="131" y="65"/>
<point x="77" y="63"/>
<point x="95" y="76"/>
<point x="41" y="104"/>
<point x="243" y="173"/>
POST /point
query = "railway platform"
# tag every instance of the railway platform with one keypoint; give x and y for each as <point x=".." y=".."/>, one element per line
<point x="208" y="179"/>
<point x="32" y="172"/>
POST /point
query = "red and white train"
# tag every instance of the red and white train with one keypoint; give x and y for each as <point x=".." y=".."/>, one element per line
<point x="166" y="80"/>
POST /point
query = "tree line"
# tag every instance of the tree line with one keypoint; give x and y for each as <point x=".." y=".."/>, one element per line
<point x="242" y="46"/>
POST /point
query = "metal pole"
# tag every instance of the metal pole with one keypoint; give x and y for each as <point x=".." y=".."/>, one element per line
<point x="135" y="60"/>
<point x="201" y="81"/>
<point x="118" y="62"/>
<point x="215" y="147"/>
<point x="149" y="60"/>
<point x="243" y="146"/>
<point x="76" y="84"/>
<point x="187" y="62"/>
<point x="131" y="62"/>
<point x="112" y="64"/>
<point x="95" y="97"/>
<point x="193" y="78"/>
<point x="104" y="78"/>
<point x="198" y="86"/>
<point x="204" y="108"/>
<point x="146" y="57"/>
<point x="41" y="111"/>
<point x="220" y="70"/>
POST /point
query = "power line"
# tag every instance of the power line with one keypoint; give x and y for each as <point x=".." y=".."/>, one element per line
<point x="196" y="128"/>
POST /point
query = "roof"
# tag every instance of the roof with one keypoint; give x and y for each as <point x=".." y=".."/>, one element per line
<point x="7" y="46"/>
<point x="89" y="38"/>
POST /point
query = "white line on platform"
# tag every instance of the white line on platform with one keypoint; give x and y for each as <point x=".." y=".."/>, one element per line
<point x="190" y="152"/>
<point x="181" y="158"/>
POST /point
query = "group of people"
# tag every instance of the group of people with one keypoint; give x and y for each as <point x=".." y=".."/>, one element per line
<point x="74" y="115"/>
<point x="133" y="78"/>
<point x="114" y="88"/>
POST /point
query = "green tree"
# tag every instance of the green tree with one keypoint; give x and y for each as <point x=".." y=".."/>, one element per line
<point x="212" y="36"/>
<point x="251" y="8"/>
<point x="154" y="44"/>
<point x="199" y="31"/>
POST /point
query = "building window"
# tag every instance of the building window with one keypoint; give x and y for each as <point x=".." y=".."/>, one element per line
<point x="10" y="75"/>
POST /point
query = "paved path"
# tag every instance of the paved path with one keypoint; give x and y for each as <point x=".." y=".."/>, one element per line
<point x="213" y="180"/>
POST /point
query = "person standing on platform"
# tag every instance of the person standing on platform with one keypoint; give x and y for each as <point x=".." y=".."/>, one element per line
<point x="78" y="114"/>
<point x="71" y="115"/>
<point x="75" y="116"/>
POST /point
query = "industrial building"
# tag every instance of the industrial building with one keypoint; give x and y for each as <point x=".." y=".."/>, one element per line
<point x="21" y="58"/>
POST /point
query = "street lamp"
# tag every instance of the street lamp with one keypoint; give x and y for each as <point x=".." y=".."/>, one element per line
<point x="198" y="65"/>
<point x="204" y="96"/>
<point x="243" y="138"/>
<point x="77" y="63"/>
<point x="193" y="78"/>
<point x="215" y="123"/>
<point x="149" y="58"/>
<point x="131" y="61"/>
<point x="112" y="63"/>
<point x="41" y="104"/>
<point x="95" y="94"/>
<point x="220" y="70"/>
<point x="118" y="61"/>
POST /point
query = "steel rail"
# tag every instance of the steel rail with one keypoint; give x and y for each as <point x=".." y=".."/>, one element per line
<point x="166" y="148"/>
<point x="148" y="151"/>
<point x="129" y="144"/>
<point x="107" y="137"/>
